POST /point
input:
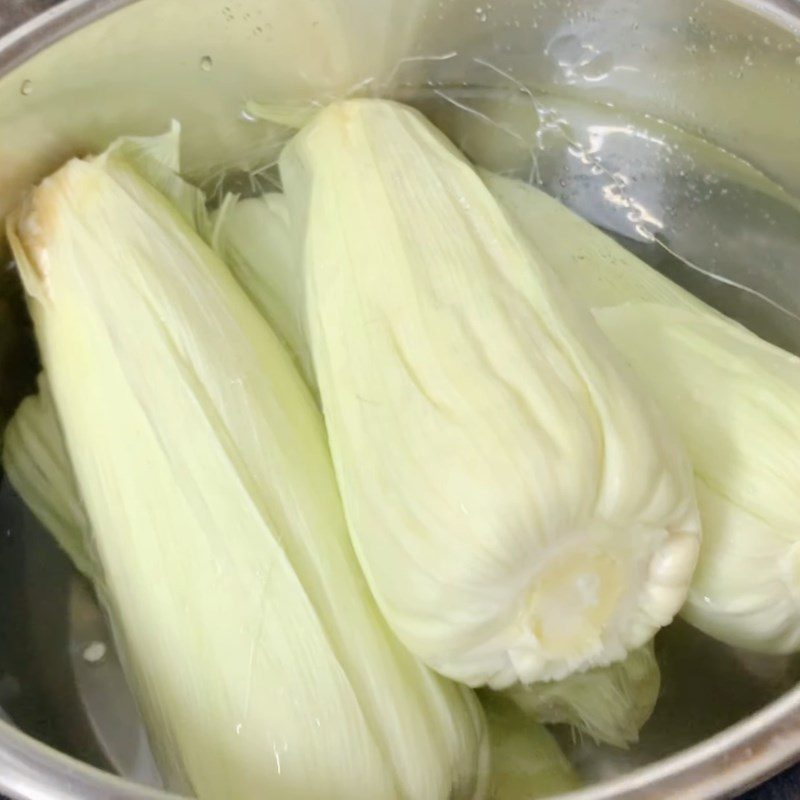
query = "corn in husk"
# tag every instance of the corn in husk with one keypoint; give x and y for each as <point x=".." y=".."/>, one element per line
<point x="36" y="462"/>
<point x="733" y="398"/>
<point x="527" y="763"/>
<point x="519" y="507"/>
<point x="260" y="663"/>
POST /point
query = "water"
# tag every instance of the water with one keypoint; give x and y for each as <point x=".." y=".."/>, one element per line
<point x="710" y="221"/>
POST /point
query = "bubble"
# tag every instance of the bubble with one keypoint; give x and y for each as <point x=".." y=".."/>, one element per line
<point x="598" y="68"/>
<point x="94" y="652"/>
<point x="26" y="88"/>
<point x="206" y="63"/>
<point x="565" y="50"/>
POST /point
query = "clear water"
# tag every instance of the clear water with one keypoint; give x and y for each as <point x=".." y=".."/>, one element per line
<point x="709" y="220"/>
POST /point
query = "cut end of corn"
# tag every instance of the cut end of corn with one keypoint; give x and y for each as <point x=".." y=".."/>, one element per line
<point x="594" y="602"/>
<point x="573" y="599"/>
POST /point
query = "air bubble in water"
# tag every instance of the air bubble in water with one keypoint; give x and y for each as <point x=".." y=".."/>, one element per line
<point x="94" y="652"/>
<point x="26" y="88"/>
<point x="206" y="64"/>
<point x="598" y="68"/>
<point x="565" y="50"/>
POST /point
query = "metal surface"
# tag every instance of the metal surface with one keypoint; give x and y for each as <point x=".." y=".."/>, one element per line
<point x="726" y="720"/>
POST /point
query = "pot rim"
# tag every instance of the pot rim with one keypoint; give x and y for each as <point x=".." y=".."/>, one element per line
<point x="739" y="757"/>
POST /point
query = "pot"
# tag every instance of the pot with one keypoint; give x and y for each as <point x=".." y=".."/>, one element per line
<point x="720" y="71"/>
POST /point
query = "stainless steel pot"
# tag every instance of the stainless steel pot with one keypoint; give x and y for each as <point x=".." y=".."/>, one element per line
<point x="88" y="70"/>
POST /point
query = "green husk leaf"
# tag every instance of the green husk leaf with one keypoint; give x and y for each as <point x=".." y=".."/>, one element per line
<point x="36" y="462"/>
<point x="527" y="763"/>
<point x="255" y="239"/>
<point x="609" y="704"/>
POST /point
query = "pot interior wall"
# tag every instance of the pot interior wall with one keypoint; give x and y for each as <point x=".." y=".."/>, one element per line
<point x="664" y="123"/>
